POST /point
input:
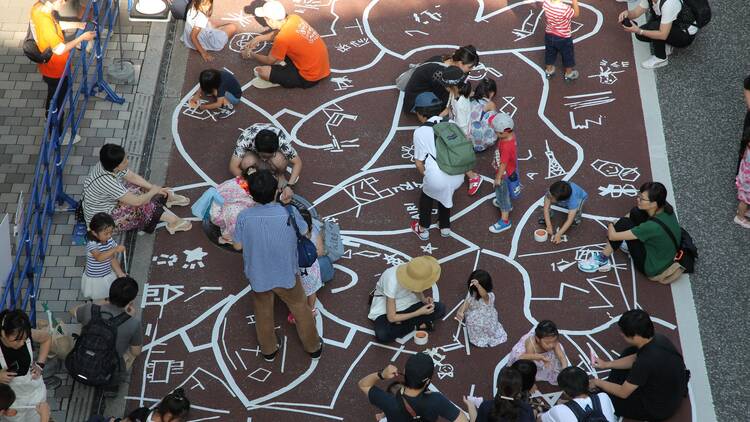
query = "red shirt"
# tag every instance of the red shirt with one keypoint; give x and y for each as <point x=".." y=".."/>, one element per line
<point x="506" y="153"/>
<point x="558" y="16"/>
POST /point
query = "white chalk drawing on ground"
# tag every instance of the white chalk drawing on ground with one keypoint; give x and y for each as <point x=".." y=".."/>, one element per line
<point x="482" y="71"/>
<point x="586" y="124"/>
<point x="241" y="40"/>
<point x="612" y="169"/>
<point x="428" y="16"/>
<point x="163" y="259"/>
<point x="608" y="71"/>
<point x="160" y="371"/>
<point x="508" y="107"/>
<point x="194" y="258"/>
<point x="240" y="18"/>
<point x="428" y="248"/>
<point x="301" y="6"/>
<point x="554" y="169"/>
<point x="616" y="191"/>
<point x="364" y="191"/>
<point x="589" y="100"/>
<point x="407" y="152"/>
<point x="342" y="83"/>
<point x="412" y="32"/>
<point x="393" y="258"/>
<point x="160" y="295"/>
<point x="336" y="116"/>
<point x="199" y="114"/>
<point x="528" y="26"/>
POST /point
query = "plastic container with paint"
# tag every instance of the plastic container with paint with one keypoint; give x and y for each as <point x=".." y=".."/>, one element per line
<point x="540" y="235"/>
<point x="420" y="338"/>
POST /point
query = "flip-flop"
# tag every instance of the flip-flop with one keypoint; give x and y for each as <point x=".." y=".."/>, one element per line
<point x="178" y="200"/>
<point x="182" y="226"/>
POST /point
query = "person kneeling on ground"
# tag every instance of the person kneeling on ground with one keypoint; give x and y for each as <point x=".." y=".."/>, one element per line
<point x="671" y="24"/>
<point x="132" y="201"/>
<point x="174" y="407"/>
<point x="398" y="302"/>
<point x="644" y="229"/>
<point x="298" y="58"/>
<point x="649" y="380"/>
<point x="129" y="341"/>
<point x="566" y="195"/>
<point x="412" y="400"/>
<point x="575" y="384"/>
<point x="221" y="85"/>
<point x="19" y="369"/>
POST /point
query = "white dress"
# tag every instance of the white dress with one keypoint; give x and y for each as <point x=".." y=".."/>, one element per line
<point x="483" y="324"/>
<point x="211" y="39"/>
<point x="436" y="184"/>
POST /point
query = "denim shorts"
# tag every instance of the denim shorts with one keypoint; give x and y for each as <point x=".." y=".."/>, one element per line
<point x="502" y="195"/>
<point x="231" y="98"/>
<point x="554" y="44"/>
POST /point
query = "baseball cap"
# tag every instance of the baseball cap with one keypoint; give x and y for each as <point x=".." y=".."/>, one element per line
<point x="425" y="99"/>
<point x="502" y="122"/>
<point x="450" y="76"/>
<point x="419" y="368"/>
<point x="272" y="9"/>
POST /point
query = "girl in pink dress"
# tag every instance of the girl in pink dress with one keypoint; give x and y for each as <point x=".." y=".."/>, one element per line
<point x="542" y="346"/>
<point x="743" y="182"/>
<point x="236" y="195"/>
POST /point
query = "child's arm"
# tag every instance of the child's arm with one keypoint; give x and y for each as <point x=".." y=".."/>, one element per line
<point x="462" y="310"/>
<point x="482" y="293"/>
<point x="547" y="219"/>
<point x="561" y="356"/>
<point x="420" y="166"/>
<point x="531" y="353"/>
<point x="576" y="9"/>
<point x="117" y="268"/>
<point x="500" y="173"/>
<point x="194" y="38"/>
<point x="566" y="225"/>
<point x="106" y="255"/>
<point x="195" y="99"/>
<point x="319" y="246"/>
<point x="214" y="105"/>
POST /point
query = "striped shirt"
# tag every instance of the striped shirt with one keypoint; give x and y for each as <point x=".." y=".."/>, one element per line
<point x="558" y="16"/>
<point x="95" y="268"/>
<point x="101" y="191"/>
<point x="269" y="246"/>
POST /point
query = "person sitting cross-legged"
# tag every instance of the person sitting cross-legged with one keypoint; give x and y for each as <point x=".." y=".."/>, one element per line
<point x="575" y="384"/>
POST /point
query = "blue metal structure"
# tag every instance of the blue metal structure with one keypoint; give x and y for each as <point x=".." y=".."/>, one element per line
<point x="85" y="73"/>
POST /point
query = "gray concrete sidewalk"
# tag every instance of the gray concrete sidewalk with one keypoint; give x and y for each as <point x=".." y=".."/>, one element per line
<point x="22" y="95"/>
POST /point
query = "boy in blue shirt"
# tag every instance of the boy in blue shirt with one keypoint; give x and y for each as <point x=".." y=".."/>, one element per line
<point x="219" y="84"/>
<point x="566" y="195"/>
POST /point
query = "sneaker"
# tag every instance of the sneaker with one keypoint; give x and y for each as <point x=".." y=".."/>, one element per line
<point x="474" y="184"/>
<point x="549" y="73"/>
<point x="272" y="356"/>
<point x="669" y="49"/>
<point x="500" y="226"/>
<point x="624" y="247"/>
<point x="742" y="222"/>
<point x="597" y="262"/>
<point x="66" y="140"/>
<point x="421" y="233"/>
<point x="316" y="354"/>
<point x="445" y="232"/>
<point x="573" y="75"/>
<point x="654" y="62"/>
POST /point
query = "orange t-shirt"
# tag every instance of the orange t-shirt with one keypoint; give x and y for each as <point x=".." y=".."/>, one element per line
<point x="303" y="45"/>
<point x="48" y="34"/>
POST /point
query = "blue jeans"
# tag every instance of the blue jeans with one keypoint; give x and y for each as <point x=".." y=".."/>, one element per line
<point x="231" y="98"/>
<point x="554" y="44"/>
<point x="502" y="195"/>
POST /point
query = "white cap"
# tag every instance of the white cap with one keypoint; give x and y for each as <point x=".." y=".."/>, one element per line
<point x="272" y="9"/>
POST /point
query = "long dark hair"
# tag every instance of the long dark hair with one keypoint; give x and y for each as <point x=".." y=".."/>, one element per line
<point x="506" y="405"/>
<point x="484" y="279"/>
<point x="657" y="193"/>
<point x="484" y="88"/>
<point x="466" y="55"/>
<point x="195" y="3"/>
<point x="174" y="403"/>
<point x="743" y="146"/>
<point x="15" y="324"/>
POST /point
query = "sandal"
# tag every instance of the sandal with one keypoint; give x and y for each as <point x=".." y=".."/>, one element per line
<point x="182" y="226"/>
<point x="550" y="73"/>
<point x="178" y="200"/>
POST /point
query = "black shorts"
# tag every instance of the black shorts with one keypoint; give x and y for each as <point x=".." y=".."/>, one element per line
<point x="288" y="76"/>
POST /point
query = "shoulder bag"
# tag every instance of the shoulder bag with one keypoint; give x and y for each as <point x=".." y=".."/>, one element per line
<point x="687" y="252"/>
<point x="307" y="253"/>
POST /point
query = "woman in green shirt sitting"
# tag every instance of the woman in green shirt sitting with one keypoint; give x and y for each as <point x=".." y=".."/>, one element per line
<point x="648" y="243"/>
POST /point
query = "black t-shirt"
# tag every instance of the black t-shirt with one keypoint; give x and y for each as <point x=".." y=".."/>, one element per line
<point x="229" y="83"/>
<point x="659" y="373"/>
<point x="746" y="83"/>
<point x="525" y="414"/>
<point x="423" y="80"/>
<point x="18" y="360"/>
<point x="428" y="405"/>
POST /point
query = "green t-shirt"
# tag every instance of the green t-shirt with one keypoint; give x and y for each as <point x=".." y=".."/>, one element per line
<point x="660" y="250"/>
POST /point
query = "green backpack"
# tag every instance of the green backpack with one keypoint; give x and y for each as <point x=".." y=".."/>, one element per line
<point x="455" y="153"/>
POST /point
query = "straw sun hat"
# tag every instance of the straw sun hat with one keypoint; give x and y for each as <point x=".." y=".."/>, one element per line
<point x="419" y="274"/>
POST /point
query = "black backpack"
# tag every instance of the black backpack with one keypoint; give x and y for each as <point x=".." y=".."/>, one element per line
<point x="94" y="359"/>
<point x="593" y="415"/>
<point x="31" y="49"/>
<point x="701" y="11"/>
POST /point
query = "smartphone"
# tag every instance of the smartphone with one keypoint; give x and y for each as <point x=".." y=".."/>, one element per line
<point x="14" y="367"/>
<point x="627" y="22"/>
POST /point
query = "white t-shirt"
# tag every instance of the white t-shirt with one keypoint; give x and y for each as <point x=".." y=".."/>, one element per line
<point x="669" y="12"/>
<point x="388" y="286"/>
<point x="194" y="19"/>
<point x="436" y="184"/>
<point x="561" y="413"/>
<point x="461" y="112"/>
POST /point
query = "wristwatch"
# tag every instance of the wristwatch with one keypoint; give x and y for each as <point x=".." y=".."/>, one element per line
<point x="380" y="375"/>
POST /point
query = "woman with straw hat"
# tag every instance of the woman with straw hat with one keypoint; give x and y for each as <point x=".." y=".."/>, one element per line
<point x="398" y="302"/>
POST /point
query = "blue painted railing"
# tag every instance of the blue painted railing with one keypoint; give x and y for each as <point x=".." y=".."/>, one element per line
<point x="85" y="73"/>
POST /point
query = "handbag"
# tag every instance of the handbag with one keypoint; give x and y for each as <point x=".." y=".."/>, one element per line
<point x="514" y="186"/>
<point x="687" y="252"/>
<point x="31" y="49"/>
<point x="307" y="253"/>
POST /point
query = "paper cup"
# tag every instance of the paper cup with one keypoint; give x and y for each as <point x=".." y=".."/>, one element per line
<point x="420" y="338"/>
<point x="540" y="235"/>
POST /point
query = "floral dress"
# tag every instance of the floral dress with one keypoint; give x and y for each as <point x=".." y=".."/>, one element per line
<point x="311" y="279"/>
<point x="483" y="324"/>
<point x="236" y="199"/>
<point x="544" y="372"/>
<point x="743" y="179"/>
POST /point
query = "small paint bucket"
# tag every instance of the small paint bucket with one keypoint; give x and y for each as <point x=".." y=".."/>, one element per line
<point x="540" y="235"/>
<point x="420" y="338"/>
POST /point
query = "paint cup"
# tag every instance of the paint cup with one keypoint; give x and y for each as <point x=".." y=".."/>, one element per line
<point x="420" y="338"/>
<point x="540" y="235"/>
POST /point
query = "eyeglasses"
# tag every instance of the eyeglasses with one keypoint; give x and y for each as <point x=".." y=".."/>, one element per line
<point x="642" y="199"/>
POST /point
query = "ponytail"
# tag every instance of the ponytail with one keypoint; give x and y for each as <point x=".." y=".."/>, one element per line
<point x="506" y="406"/>
<point x="175" y="403"/>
